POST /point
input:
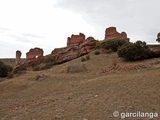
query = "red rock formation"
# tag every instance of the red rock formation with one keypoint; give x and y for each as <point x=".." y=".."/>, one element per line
<point x="56" y="50"/>
<point x="74" y="49"/>
<point x="76" y="39"/>
<point x="66" y="53"/>
<point x="18" y="58"/>
<point x="111" y="33"/>
<point x="34" y="54"/>
<point x="87" y="46"/>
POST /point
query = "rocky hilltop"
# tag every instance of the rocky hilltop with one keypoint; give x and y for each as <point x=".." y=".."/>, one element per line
<point x="77" y="45"/>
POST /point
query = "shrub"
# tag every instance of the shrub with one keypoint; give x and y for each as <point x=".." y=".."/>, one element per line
<point x="156" y="54"/>
<point x="4" y="69"/>
<point x="114" y="44"/>
<point x="96" y="52"/>
<point x="48" y="59"/>
<point x="98" y="45"/>
<point x="47" y="66"/>
<point x="158" y="37"/>
<point x="45" y="63"/>
<point x="36" y="68"/>
<point x="135" y="51"/>
<point x="87" y="57"/>
<point x="83" y="59"/>
<point x="108" y="51"/>
<point x="76" y="68"/>
<point x="10" y="75"/>
<point x="34" y="64"/>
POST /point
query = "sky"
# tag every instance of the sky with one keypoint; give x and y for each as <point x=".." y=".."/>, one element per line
<point x="26" y="24"/>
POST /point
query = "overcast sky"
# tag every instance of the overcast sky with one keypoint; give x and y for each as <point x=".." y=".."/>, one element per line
<point x="26" y="24"/>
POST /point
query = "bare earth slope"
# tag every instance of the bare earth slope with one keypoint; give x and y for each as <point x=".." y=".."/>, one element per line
<point x="90" y="95"/>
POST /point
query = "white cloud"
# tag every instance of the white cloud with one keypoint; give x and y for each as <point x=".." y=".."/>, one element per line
<point x="39" y="18"/>
<point x="26" y="24"/>
<point x="136" y="18"/>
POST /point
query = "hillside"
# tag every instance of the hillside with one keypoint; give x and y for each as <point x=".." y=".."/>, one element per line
<point x="93" y="94"/>
<point x="11" y="61"/>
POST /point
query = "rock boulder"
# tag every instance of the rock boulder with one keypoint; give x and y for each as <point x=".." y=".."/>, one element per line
<point x="76" y="47"/>
<point x="66" y="53"/>
<point x="87" y="46"/>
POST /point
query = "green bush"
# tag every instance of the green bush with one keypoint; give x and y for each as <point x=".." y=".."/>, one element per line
<point x="114" y="44"/>
<point x="158" y="37"/>
<point x="108" y="51"/>
<point x="10" y="75"/>
<point x="157" y="54"/>
<point x="87" y="57"/>
<point x="4" y="69"/>
<point x="48" y="59"/>
<point x="47" y="66"/>
<point x="97" y="52"/>
<point x="135" y="51"/>
<point x="45" y="63"/>
<point x="83" y="59"/>
<point x="36" y="68"/>
<point x="98" y="45"/>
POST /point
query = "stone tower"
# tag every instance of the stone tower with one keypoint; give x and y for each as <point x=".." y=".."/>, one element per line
<point x="18" y="58"/>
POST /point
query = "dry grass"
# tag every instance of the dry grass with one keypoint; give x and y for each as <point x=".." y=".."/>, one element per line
<point x="11" y="61"/>
<point x="88" y="94"/>
<point x="76" y="68"/>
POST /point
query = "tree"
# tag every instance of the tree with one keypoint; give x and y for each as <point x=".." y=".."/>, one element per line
<point x="135" y="51"/>
<point x="114" y="44"/>
<point x="4" y="69"/>
<point x="158" y="37"/>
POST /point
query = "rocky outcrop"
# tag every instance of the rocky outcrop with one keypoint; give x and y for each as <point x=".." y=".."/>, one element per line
<point x="77" y="45"/>
<point x="76" y="39"/>
<point x="87" y="46"/>
<point x="65" y="54"/>
<point x="18" y="58"/>
<point x="75" y="48"/>
<point x="34" y="54"/>
<point x="111" y="33"/>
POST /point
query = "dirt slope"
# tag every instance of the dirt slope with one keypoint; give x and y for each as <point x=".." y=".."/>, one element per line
<point x="90" y="95"/>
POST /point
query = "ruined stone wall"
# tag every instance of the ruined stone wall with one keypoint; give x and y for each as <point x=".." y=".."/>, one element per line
<point x="18" y="58"/>
<point x="111" y="33"/>
<point x="34" y="54"/>
<point x="76" y="39"/>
